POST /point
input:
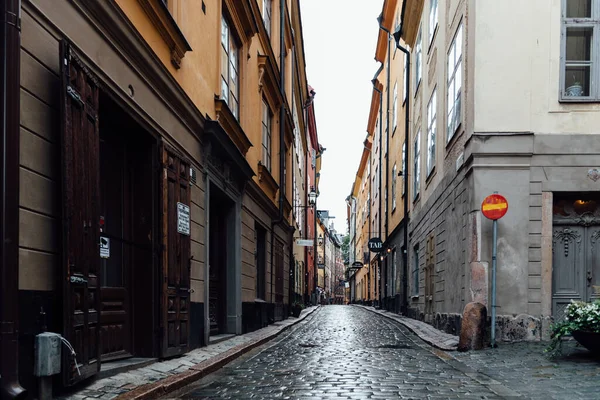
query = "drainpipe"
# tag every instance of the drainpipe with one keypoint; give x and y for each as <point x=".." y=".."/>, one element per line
<point x="405" y="173"/>
<point x="10" y="52"/>
<point x="374" y="81"/>
<point x="281" y="132"/>
<point x="387" y="149"/>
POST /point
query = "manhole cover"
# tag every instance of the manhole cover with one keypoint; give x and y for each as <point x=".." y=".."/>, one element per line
<point x="393" y="346"/>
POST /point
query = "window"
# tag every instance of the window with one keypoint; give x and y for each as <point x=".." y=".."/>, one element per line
<point x="267" y="6"/>
<point x="431" y="131"/>
<point x="395" y="108"/>
<point x="266" y="136"/>
<point x="433" y="18"/>
<point x="579" y="50"/>
<point x="418" y="58"/>
<point x="260" y="257"/>
<point x="394" y="180"/>
<point x="229" y="69"/>
<point x="454" y="84"/>
<point x="404" y="171"/>
<point x="404" y="77"/>
<point x="417" y="173"/>
<point x="415" y="272"/>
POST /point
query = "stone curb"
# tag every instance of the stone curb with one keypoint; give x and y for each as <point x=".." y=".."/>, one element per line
<point x="422" y="335"/>
<point x="167" y="385"/>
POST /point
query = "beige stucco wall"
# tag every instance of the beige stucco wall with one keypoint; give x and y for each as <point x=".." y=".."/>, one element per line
<point x="518" y="85"/>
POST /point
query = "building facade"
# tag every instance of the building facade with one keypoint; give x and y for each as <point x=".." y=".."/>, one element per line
<point x="159" y="168"/>
<point x="470" y="136"/>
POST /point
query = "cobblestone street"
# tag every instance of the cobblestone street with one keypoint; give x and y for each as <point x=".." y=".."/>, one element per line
<point x="343" y="352"/>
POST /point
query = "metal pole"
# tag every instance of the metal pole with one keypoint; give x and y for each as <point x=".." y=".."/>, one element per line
<point x="494" y="236"/>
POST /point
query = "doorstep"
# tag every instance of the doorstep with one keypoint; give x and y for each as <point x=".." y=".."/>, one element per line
<point x="162" y="377"/>
<point x="423" y="330"/>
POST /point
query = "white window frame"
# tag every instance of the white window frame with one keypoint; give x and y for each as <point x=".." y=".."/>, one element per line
<point x="433" y="19"/>
<point x="395" y="108"/>
<point x="594" y="23"/>
<point x="404" y="79"/>
<point x="267" y="12"/>
<point x="417" y="166"/>
<point x="267" y="137"/>
<point x="431" y="131"/>
<point x="415" y="272"/>
<point x="454" y="85"/>
<point x="418" y="59"/>
<point x="394" y="186"/>
<point x="230" y="77"/>
<point x="404" y="171"/>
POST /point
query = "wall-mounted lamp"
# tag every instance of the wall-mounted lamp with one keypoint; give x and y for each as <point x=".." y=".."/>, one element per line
<point x="320" y="240"/>
<point x="312" y="197"/>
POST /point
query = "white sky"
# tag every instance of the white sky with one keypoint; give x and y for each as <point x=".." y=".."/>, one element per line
<point x="339" y="42"/>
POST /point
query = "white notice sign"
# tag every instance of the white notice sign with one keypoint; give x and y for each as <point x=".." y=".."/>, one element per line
<point x="304" y="242"/>
<point x="183" y="219"/>
<point x="104" y="247"/>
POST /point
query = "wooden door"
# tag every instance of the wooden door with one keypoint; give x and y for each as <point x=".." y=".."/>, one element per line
<point x="175" y="279"/>
<point x="429" y="274"/>
<point x="80" y="235"/>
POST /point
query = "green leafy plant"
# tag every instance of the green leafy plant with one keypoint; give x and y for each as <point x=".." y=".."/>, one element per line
<point x="298" y="304"/>
<point x="579" y="316"/>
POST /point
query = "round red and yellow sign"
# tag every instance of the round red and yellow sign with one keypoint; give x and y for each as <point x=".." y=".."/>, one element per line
<point x="494" y="206"/>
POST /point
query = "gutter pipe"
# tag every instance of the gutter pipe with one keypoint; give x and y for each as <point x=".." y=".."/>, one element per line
<point x="374" y="81"/>
<point x="10" y="53"/>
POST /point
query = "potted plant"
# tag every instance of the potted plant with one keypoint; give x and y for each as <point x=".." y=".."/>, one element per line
<point x="575" y="89"/>
<point x="297" y="309"/>
<point x="582" y="322"/>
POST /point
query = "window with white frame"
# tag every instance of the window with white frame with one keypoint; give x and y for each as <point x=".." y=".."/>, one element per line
<point x="454" y="85"/>
<point x="229" y="69"/>
<point x="431" y="132"/>
<point x="404" y="77"/>
<point x="395" y="108"/>
<point x="433" y="18"/>
<point x="418" y="61"/>
<point x="266" y="135"/>
<point x="417" y="172"/>
<point x="580" y="50"/>
<point x="415" y="272"/>
<point x="404" y="171"/>
<point x="394" y="186"/>
<point x="267" y="7"/>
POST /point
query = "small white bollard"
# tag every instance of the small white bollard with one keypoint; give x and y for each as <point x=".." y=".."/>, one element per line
<point x="47" y="357"/>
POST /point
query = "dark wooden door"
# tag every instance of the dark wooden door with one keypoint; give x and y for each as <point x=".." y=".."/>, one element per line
<point x="217" y="265"/>
<point x="175" y="279"/>
<point x="80" y="258"/>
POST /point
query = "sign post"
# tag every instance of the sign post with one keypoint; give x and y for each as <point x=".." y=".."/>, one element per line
<point x="494" y="207"/>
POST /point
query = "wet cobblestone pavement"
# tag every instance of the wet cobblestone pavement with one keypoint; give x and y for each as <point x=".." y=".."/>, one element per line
<point x="345" y="352"/>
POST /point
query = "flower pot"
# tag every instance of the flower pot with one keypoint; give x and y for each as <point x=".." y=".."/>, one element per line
<point x="589" y="340"/>
<point x="574" y="90"/>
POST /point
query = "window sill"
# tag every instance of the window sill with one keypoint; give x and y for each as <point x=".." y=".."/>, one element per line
<point x="163" y="21"/>
<point x="430" y="46"/>
<point x="232" y="126"/>
<point x="265" y="176"/>
<point x="577" y="100"/>
<point x="454" y="137"/>
<point x="430" y="177"/>
<point x="416" y="198"/>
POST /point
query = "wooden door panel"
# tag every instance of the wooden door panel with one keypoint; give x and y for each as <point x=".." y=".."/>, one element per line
<point x="175" y="296"/>
<point x="568" y="264"/>
<point x="593" y="263"/>
<point x="114" y="327"/>
<point x="80" y="189"/>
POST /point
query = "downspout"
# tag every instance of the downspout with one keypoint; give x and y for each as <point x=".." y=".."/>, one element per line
<point x="405" y="173"/>
<point x="387" y="155"/>
<point x="281" y="131"/>
<point x="374" y="81"/>
<point x="10" y="52"/>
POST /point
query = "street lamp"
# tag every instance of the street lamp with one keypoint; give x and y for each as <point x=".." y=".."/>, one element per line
<point x="312" y="197"/>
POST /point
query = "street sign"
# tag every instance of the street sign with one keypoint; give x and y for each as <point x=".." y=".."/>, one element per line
<point x="104" y="247"/>
<point x="357" y="264"/>
<point x="494" y="206"/>
<point x="183" y="219"/>
<point x="304" y="242"/>
<point x="375" y="245"/>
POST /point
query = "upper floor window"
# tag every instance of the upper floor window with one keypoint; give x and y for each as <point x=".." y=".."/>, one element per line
<point x="267" y="7"/>
<point x="394" y="179"/>
<point x="266" y="135"/>
<point x="405" y="82"/>
<point x="580" y="49"/>
<point x="431" y="132"/>
<point x="415" y="272"/>
<point x="418" y="60"/>
<point x="454" y="84"/>
<point x="395" y="108"/>
<point x="229" y="69"/>
<point x="417" y="172"/>
<point x="433" y="18"/>
<point x="404" y="171"/>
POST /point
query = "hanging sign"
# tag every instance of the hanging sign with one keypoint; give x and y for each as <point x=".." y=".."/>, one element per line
<point x="304" y="242"/>
<point x="494" y="206"/>
<point x="104" y="247"/>
<point x="375" y="245"/>
<point x="183" y="219"/>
